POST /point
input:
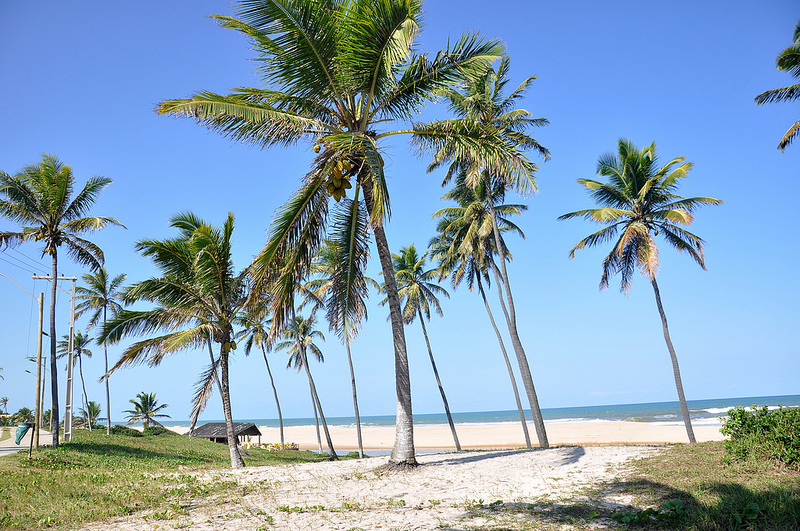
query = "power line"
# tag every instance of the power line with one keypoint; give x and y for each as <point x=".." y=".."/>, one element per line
<point x="26" y="269"/>
<point x="31" y="260"/>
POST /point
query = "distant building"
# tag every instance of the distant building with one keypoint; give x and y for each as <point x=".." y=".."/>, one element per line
<point x="217" y="432"/>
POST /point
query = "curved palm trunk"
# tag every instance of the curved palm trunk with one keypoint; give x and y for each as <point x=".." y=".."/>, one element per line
<point x="403" y="450"/>
<point x="511" y="320"/>
<point x="108" y="392"/>
<point x="85" y="396"/>
<point x="274" y="392"/>
<point x="315" y="397"/>
<point x="675" y="369"/>
<point x="439" y="383"/>
<point x="508" y="365"/>
<point x="316" y="418"/>
<point x="54" y="416"/>
<point x="236" y="458"/>
<point x="355" y="401"/>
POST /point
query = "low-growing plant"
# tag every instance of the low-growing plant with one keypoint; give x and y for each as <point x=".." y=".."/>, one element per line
<point x="125" y="430"/>
<point x="157" y="430"/>
<point x="763" y="434"/>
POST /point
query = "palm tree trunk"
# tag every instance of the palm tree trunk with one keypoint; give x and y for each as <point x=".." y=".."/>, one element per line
<point x="236" y="458"/>
<point x="108" y="392"/>
<point x="355" y="400"/>
<point x="403" y="450"/>
<point x="274" y="392"/>
<point x="85" y="396"/>
<point x="508" y="364"/>
<point x="54" y="416"/>
<point x="315" y="397"/>
<point x="511" y="320"/>
<point x="316" y="418"/>
<point x="675" y="369"/>
<point x="439" y="383"/>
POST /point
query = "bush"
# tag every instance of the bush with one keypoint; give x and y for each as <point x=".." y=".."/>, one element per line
<point x="157" y="430"/>
<point x="124" y="430"/>
<point x="758" y="432"/>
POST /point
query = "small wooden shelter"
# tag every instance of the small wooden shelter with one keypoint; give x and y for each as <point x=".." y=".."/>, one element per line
<point x="216" y="432"/>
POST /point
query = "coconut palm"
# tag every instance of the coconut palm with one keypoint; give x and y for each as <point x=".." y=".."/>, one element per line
<point x="639" y="202"/>
<point x="788" y="61"/>
<point x="465" y="248"/>
<point x="196" y="301"/>
<point x="481" y="107"/>
<point x="38" y="198"/>
<point x="418" y="292"/>
<point x="79" y="350"/>
<point x="100" y="296"/>
<point x="91" y="412"/>
<point x="340" y="74"/>
<point x="255" y="332"/>
<point x="145" y="410"/>
<point x="344" y="315"/>
<point x="4" y="404"/>
<point x="298" y="340"/>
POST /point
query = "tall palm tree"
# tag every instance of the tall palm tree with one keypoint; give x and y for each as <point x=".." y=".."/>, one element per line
<point x="146" y="410"/>
<point x="79" y="343"/>
<point x="481" y="107"/>
<point x="345" y="314"/>
<point x="100" y="296"/>
<point x="92" y="412"/>
<point x="39" y="198"/>
<point x="788" y="61"/>
<point x="639" y="202"/>
<point x="340" y="74"/>
<point x="255" y="332"/>
<point x="196" y="301"/>
<point x="417" y="289"/>
<point x="465" y="249"/>
<point x="298" y="341"/>
<point x="4" y="404"/>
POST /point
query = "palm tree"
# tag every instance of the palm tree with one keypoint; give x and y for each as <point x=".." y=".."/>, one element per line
<point x="100" y="295"/>
<point x="197" y="299"/>
<point x="417" y="290"/>
<point x="344" y="315"/>
<point x="465" y="249"/>
<point x="39" y="199"/>
<point x="298" y="341"/>
<point x="481" y="107"/>
<point x="4" y="404"/>
<point x="788" y="61"/>
<point x="79" y="342"/>
<point x="639" y="202"/>
<point x="255" y="332"/>
<point x="92" y="412"/>
<point x="339" y="74"/>
<point x="145" y="410"/>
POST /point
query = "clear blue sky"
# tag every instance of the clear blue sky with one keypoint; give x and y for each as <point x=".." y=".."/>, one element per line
<point x="80" y="80"/>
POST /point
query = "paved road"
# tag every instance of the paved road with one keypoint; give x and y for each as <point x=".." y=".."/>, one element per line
<point x="8" y="446"/>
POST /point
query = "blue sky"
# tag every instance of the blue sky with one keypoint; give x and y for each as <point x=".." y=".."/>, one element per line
<point x="80" y="80"/>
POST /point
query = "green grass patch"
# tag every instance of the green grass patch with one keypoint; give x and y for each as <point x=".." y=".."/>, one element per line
<point x="5" y="433"/>
<point x="98" y="476"/>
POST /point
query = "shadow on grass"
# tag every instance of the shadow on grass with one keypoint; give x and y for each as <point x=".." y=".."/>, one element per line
<point x="111" y="450"/>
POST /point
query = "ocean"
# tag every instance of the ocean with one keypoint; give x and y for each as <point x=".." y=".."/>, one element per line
<point x="703" y="413"/>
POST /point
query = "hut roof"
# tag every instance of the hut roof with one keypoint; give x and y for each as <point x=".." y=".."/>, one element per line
<point x="218" y="430"/>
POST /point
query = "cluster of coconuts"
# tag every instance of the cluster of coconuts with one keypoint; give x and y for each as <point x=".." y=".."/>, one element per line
<point x="339" y="178"/>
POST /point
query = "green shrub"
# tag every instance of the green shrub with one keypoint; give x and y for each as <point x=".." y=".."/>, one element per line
<point x="157" y="430"/>
<point x="763" y="434"/>
<point x="125" y="430"/>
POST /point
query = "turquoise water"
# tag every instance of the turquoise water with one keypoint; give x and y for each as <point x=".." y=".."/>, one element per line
<point x="703" y="412"/>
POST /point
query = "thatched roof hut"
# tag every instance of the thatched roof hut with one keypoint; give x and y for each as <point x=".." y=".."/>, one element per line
<point x="216" y="431"/>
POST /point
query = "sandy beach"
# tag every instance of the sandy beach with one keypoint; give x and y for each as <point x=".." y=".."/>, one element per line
<point x="497" y="436"/>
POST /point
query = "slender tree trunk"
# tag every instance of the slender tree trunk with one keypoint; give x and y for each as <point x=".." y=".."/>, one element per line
<point x="508" y="365"/>
<point x="403" y="451"/>
<point x="85" y="396"/>
<point x="236" y="458"/>
<point x="108" y="392"/>
<point x="316" y="417"/>
<point x="439" y="383"/>
<point x="511" y="319"/>
<point x="675" y="369"/>
<point x="355" y="400"/>
<point x="274" y="392"/>
<point x="315" y="397"/>
<point x="54" y="415"/>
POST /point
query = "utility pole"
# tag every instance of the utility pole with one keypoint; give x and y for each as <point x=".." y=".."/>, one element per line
<point x="71" y="359"/>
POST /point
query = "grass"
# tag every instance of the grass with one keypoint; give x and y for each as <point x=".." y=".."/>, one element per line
<point x="5" y="433"/>
<point x="98" y="476"/>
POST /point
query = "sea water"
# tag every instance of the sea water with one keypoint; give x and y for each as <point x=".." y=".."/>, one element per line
<point x="703" y="413"/>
